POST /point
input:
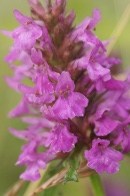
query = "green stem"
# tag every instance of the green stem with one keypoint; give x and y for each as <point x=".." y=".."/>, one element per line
<point x="97" y="187"/>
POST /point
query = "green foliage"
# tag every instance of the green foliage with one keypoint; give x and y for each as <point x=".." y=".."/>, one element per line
<point x="73" y="162"/>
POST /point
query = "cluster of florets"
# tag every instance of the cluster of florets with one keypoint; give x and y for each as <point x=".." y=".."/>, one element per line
<point x="73" y="99"/>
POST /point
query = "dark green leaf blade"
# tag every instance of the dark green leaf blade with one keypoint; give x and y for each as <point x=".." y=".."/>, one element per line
<point x="73" y="162"/>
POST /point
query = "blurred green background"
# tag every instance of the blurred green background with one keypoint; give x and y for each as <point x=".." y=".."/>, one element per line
<point x="9" y="145"/>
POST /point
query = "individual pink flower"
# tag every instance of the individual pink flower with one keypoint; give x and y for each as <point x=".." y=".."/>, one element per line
<point x="26" y="35"/>
<point x="60" y="139"/>
<point x="42" y="92"/>
<point x="30" y="156"/>
<point x="122" y="136"/>
<point x="69" y="103"/>
<point x="21" y="109"/>
<point x="102" y="157"/>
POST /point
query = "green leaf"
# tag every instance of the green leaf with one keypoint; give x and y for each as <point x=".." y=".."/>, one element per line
<point x="71" y="175"/>
<point x="73" y="161"/>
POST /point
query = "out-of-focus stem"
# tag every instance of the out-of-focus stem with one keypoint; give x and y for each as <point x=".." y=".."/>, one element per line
<point x="83" y="171"/>
<point x="119" y="28"/>
<point x="15" y="189"/>
<point x="55" y="180"/>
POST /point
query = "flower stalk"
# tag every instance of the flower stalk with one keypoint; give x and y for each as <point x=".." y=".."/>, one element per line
<point x="96" y="184"/>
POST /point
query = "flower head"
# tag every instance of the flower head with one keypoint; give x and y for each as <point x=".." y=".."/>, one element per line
<point x="73" y="101"/>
